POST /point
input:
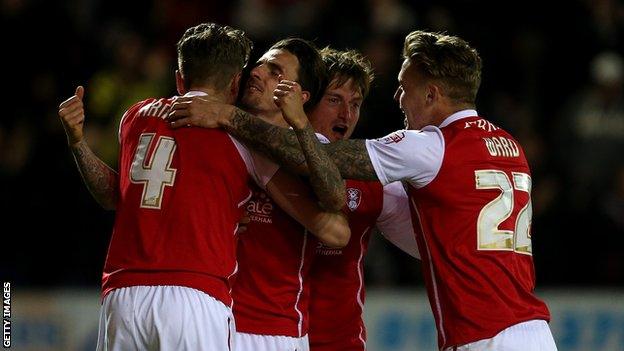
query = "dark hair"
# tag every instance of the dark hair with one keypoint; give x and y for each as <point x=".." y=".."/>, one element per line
<point x="312" y="74"/>
<point x="448" y="59"/>
<point x="212" y="54"/>
<point x="349" y="64"/>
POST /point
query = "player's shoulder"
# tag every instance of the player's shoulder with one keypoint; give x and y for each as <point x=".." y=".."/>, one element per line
<point x="478" y="136"/>
<point x="140" y="104"/>
<point x="475" y="124"/>
<point x="411" y="135"/>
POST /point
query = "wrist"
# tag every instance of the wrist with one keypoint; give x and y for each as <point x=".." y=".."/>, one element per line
<point x="226" y="120"/>
<point x="75" y="144"/>
<point x="304" y="129"/>
<point x="301" y="122"/>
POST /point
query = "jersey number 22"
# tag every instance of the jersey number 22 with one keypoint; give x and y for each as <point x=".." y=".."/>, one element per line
<point x="490" y="237"/>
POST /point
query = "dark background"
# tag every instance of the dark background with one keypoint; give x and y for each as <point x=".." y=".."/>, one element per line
<point x="552" y="77"/>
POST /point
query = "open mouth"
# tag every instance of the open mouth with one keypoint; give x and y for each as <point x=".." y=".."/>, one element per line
<point x="340" y="129"/>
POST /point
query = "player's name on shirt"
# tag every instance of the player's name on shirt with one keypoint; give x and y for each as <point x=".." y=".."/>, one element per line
<point x="498" y="145"/>
<point x="481" y="124"/>
<point x="159" y="108"/>
<point x="502" y="147"/>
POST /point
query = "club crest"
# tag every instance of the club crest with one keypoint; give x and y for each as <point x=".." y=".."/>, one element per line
<point x="354" y="196"/>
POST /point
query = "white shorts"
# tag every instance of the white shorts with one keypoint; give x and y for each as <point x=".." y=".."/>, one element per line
<point x="164" y="318"/>
<point x="532" y="335"/>
<point x="255" y="342"/>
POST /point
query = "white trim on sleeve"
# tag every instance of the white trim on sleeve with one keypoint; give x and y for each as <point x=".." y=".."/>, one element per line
<point x="414" y="156"/>
<point x="259" y="167"/>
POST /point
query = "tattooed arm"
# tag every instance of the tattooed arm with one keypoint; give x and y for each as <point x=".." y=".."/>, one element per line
<point x="324" y="178"/>
<point x="100" y="179"/>
<point x="281" y="144"/>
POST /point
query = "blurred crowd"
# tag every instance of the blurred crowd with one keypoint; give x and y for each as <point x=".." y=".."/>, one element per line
<point x="553" y="77"/>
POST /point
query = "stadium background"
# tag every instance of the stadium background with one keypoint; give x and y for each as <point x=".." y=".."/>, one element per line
<point x="553" y="77"/>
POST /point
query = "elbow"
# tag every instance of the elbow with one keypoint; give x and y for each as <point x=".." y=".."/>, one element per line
<point x="109" y="205"/>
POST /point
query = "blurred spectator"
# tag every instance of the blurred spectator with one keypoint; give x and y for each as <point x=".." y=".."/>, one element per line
<point x="591" y="131"/>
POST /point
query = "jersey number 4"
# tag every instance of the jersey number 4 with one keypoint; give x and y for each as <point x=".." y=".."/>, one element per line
<point x="500" y="209"/>
<point x="155" y="172"/>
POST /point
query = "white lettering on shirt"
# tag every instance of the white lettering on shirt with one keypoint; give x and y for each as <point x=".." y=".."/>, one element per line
<point x="502" y="147"/>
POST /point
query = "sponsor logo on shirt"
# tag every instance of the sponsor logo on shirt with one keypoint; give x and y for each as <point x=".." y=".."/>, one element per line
<point x="322" y="249"/>
<point x="260" y="208"/>
<point x="393" y="138"/>
<point x="354" y="197"/>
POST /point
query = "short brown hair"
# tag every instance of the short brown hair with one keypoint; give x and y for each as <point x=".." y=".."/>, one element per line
<point x="312" y="74"/>
<point x="349" y="64"/>
<point x="448" y="59"/>
<point x="212" y="54"/>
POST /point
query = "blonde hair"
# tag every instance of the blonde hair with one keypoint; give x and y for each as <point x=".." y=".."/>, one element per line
<point x="448" y="59"/>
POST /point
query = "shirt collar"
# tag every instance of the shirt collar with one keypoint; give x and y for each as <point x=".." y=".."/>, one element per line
<point x="457" y="116"/>
<point x="195" y="93"/>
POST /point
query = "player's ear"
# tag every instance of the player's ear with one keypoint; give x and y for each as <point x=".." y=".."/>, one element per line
<point x="306" y="96"/>
<point x="433" y="93"/>
<point x="180" y="83"/>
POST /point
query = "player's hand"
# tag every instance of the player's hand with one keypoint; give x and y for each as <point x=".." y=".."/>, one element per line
<point x="289" y="98"/>
<point x="71" y="112"/>
<point x="199" y="111"/>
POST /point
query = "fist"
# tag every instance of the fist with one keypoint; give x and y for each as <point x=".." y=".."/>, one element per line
<point x="289" y="97"/>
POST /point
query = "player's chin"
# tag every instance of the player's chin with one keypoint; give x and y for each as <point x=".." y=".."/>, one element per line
<point x="249" y="100"/>
<point x="338" y="136"/>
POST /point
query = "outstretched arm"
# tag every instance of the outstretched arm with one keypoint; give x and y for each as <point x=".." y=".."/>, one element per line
<point x="281" y="144"/>
<point x="101" y="180"/>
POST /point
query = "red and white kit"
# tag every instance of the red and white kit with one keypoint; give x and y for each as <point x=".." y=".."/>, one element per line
<point x="272" y="290"/>
<point x="469" y="186"/>
<point x="337" y="276"/>
<point x="181" y="195"/>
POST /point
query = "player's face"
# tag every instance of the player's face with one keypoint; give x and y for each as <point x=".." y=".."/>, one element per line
<point x="338" y="112"/>
<point x="412" y="97"/>
<point x="263" y="79"/>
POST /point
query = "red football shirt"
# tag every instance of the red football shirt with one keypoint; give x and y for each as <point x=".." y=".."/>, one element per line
<point x="181" y="195"/>
<point x="337" y="275"/>
<point x="272" y="290"/>
<point x="470" y="196"/>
